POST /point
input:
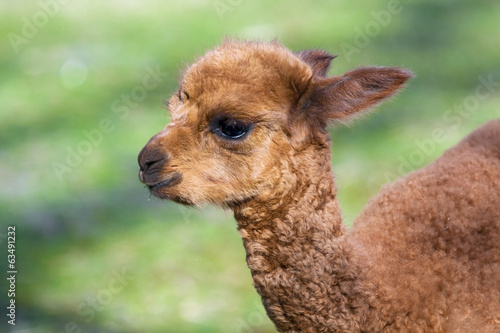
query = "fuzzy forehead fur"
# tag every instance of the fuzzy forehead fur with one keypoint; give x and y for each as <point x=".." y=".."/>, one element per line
<point x="263" y="71"/>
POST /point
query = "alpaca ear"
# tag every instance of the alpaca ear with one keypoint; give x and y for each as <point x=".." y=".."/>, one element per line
<point x="318" y="60"/>
<point x="342" y="97"/>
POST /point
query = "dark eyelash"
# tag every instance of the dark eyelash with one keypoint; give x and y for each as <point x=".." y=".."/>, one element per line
<point x="179" y="94"/>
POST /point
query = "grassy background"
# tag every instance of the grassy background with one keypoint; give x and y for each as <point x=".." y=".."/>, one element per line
<point x="94" y="252"/>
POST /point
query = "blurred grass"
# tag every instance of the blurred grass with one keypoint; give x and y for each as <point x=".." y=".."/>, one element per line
<point x="186" y="268"/>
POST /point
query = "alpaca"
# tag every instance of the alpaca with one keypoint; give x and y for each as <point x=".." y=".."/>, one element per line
<point x="248" y="133"/>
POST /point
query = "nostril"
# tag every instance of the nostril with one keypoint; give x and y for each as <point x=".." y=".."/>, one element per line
<point x="148" y="164"/>
<point x="149" y="158"/>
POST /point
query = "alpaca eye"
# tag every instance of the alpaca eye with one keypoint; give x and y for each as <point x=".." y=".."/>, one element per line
<point x="231" y="128"/>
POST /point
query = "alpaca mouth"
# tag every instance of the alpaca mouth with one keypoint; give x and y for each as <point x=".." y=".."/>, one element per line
<point x="158" y="189"/>
<point x="174" y="178"/>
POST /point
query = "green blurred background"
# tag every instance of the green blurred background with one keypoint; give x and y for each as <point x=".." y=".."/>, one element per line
<point x="82" y="88"/>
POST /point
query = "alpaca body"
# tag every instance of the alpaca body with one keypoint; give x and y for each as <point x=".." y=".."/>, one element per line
<point x="248" y="132"/>
<point x="433" y="240"/>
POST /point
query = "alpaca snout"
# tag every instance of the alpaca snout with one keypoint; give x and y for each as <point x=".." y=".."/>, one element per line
<point x="153" y="163"/>
<point x="151" y="158"/>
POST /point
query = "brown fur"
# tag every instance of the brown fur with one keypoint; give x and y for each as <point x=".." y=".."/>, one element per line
<point x="424" y="255"/>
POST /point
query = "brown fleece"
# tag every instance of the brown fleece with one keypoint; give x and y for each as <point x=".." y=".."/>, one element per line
<point x="248" y="132"/>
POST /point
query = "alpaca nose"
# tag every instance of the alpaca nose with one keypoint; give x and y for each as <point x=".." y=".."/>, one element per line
<point x="146" y="161"/>
<point x="150" y="160"/>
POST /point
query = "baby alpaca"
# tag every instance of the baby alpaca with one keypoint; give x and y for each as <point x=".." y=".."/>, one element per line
<point x="248" y="132"/>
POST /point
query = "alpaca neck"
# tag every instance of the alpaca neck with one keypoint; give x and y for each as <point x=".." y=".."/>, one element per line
<point x="298" y="255"/>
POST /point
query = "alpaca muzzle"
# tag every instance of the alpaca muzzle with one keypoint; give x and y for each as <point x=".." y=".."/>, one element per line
<point x="152" y="164"/>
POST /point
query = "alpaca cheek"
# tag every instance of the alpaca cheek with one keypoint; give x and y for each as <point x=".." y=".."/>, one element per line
<point x="204" y="182"/>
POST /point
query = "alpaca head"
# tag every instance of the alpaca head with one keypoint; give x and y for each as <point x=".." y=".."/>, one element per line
<point x="244" y="112"/>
